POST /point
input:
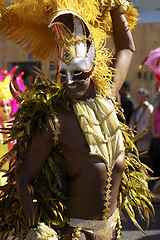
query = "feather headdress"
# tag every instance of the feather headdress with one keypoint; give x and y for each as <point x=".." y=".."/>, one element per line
<point x="26" y="22"/>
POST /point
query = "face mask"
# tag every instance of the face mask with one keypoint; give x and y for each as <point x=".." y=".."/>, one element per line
<point x="76" y="47"/>
<point x="79" y="70"/>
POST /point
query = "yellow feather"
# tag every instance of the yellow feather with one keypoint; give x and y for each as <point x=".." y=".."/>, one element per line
<point x="26" y="23"/>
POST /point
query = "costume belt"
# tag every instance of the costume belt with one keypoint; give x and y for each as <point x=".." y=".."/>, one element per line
<point x="101" y="229"/>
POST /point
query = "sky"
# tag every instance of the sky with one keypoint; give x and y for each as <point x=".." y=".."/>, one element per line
<point x="149" y="10"/>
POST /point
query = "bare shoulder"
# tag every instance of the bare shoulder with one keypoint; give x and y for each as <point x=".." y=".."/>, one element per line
<point x="120" y="163"/>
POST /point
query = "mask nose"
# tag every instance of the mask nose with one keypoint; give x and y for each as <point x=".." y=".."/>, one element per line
<point x="69" y="78"/>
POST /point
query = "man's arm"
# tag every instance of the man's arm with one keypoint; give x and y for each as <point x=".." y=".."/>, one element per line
<point x="32" y="165"/>
<point x="124" y="47"/>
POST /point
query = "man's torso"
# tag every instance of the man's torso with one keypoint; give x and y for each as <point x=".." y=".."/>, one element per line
<point x="87" y="176"/>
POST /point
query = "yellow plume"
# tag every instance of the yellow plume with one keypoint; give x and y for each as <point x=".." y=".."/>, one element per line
<point x="25" y="22"/>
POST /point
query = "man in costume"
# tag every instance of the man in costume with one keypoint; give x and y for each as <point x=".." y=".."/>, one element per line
<point x="71" y="150"/>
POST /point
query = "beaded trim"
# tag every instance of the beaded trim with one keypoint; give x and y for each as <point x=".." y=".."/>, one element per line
<point x="76" y="233"/>
<point x="118" y="229"/>
<point x="108" y="197"/>
<point x="55" y="126"/>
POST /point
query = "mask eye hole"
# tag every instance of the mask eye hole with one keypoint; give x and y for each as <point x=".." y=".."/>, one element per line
<point x="63" y="73"/>
<point x="77" y="73"/>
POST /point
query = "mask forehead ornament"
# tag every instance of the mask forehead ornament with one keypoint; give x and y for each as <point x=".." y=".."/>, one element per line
<point x="75" y="43"/>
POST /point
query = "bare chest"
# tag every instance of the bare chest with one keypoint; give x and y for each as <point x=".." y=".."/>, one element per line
<point x="71" y="134"/>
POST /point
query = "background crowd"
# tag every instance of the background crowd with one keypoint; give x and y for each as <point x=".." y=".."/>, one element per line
<point x="144" y="117"/>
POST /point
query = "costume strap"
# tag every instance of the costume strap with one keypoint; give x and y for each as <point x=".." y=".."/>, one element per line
<point x="108" y="197"/>
<point x="55" y="126"/>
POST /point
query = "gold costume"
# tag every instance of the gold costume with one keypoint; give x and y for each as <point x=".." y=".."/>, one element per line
<point x="100" y="125"/>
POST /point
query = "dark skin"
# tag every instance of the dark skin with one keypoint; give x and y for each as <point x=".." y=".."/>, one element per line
<point x="87" y="192"/>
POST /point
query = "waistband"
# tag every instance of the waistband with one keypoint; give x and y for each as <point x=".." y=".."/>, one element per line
<point x="101" y="229"/>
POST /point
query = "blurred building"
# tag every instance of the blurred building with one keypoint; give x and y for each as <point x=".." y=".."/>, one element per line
<point x="12" y="55"/>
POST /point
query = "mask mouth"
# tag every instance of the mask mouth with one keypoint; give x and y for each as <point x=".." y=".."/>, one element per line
<point x="72" y="86"/>
<point x="76" y="82"/>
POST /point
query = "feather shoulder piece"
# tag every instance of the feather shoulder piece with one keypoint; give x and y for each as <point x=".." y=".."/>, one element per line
<point x="36" y="102"/>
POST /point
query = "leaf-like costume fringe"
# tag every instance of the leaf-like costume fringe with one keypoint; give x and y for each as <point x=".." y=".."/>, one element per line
<point x="134" y="193"/>
<point x="37" y="102"/>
